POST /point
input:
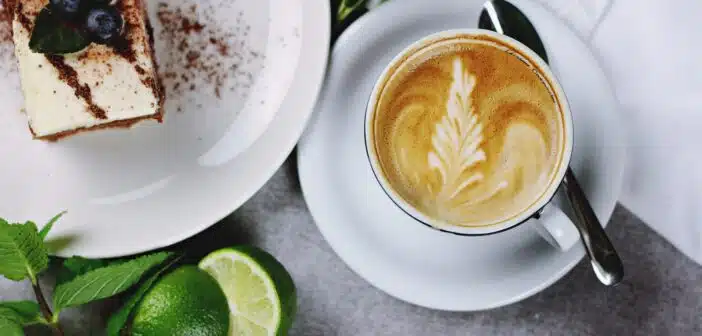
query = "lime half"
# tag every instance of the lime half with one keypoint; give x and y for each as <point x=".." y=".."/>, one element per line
<point x="260" y="291"/>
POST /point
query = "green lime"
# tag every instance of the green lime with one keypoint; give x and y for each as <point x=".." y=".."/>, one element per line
<point x="261" y="293"/>
<point x="184" y="302"/>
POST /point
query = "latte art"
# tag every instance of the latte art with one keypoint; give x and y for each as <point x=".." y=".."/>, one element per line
<point x="470" y="135"/>
<point x="456" y="149"/>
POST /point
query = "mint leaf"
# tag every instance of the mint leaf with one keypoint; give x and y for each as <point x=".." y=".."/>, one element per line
<point x="22" y="251"/>
<point x="25" y="312"/>
<point x="119" y="319"/>
<point x="75" y="266"/>
<point x="80" y="265"/>
<point x="9" y="327"/>
<point x="52" y="35"/>
<point x="47" y="228"/>
<point x="346" y="7"/>
<point x="105" y="282"/>
<point x="14" y="315"/>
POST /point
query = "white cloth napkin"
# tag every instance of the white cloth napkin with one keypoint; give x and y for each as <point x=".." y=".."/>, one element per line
<point x="651" y="51"/>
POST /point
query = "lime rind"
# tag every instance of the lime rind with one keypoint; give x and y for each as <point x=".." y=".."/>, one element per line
<point x="240" y="271"/>
<point x="186" y="301"/>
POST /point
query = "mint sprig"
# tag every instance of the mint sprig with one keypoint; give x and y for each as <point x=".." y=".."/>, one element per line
<point x="53" y="35"/>
<point x="105" y="282"/>
<point x="24" y="255"/>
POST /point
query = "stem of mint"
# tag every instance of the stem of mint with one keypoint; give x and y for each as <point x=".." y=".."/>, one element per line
<point x="46" y="310"/>
<point x="25" y="257"/>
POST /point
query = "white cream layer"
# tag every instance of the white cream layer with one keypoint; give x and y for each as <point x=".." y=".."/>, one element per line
<point x="52" y="105"/>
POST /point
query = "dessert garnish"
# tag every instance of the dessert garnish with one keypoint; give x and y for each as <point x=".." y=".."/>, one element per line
<point x="68" y="26"/>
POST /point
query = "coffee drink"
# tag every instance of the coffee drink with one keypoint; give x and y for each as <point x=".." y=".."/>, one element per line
<point x="467" y="130"/>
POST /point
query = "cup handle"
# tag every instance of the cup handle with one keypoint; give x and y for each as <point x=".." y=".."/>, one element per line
<point x="556" y="228"/>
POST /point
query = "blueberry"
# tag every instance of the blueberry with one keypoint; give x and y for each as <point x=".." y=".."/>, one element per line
<point x="69" y="7"/>
<point x="103" y="23"/>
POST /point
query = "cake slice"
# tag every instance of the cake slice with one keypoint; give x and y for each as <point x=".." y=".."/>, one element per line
<point x="85" y="68"/>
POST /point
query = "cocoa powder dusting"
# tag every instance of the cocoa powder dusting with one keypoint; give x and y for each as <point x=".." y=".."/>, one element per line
<point x="6" y="21"/>
<point x="202" y="52"/>
<point x="18" y="8"/>
<point x="7" y="50"/>
<point x="70" y="76"/>
<point x="154" y="84"/>
<point x="124" y="44"/>
<point x="188" y="26"/>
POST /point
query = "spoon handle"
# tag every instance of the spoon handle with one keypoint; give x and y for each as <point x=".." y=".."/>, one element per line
<point x="604" y="259"/>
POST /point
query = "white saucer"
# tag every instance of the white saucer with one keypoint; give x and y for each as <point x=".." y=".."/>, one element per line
<point x="387" y="248"/>
<point x="129" y="191"/>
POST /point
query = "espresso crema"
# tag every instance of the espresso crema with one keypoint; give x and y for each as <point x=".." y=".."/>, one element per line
<point x="468" y="131"/>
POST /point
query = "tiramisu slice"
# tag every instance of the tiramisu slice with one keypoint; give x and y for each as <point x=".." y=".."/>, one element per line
<point x="85" y="64"/>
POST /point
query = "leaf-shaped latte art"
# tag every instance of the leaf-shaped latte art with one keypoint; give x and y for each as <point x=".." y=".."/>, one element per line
<point x="457" y="138"/>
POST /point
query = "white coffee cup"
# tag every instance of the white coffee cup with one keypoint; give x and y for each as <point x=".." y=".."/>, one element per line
<point x="549" y="221"/>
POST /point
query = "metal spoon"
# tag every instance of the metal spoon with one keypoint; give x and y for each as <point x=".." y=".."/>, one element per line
<point x="504" y="18"/>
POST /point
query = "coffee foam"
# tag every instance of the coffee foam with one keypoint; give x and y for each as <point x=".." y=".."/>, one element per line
<point x="468" y="132"/>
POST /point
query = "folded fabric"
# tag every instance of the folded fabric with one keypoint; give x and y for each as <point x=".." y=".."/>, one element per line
<point x="582" y="15"/>
<point x="651" y="50"/>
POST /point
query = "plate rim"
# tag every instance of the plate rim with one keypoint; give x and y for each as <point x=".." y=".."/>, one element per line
<point x="548" y="281"/>
<point x="315" y="34"/>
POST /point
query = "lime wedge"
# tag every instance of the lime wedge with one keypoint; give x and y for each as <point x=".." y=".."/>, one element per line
<point x="260" y="291"/>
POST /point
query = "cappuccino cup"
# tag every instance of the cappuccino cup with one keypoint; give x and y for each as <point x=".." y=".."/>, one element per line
<point x="470" y="133"/>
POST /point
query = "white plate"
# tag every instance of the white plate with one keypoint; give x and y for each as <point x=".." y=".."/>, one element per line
<point x="390" y="250"/>
<point x="129" y="191"/>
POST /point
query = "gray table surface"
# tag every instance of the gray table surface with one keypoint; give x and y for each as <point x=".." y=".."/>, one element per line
<point x="662" y="294"/>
